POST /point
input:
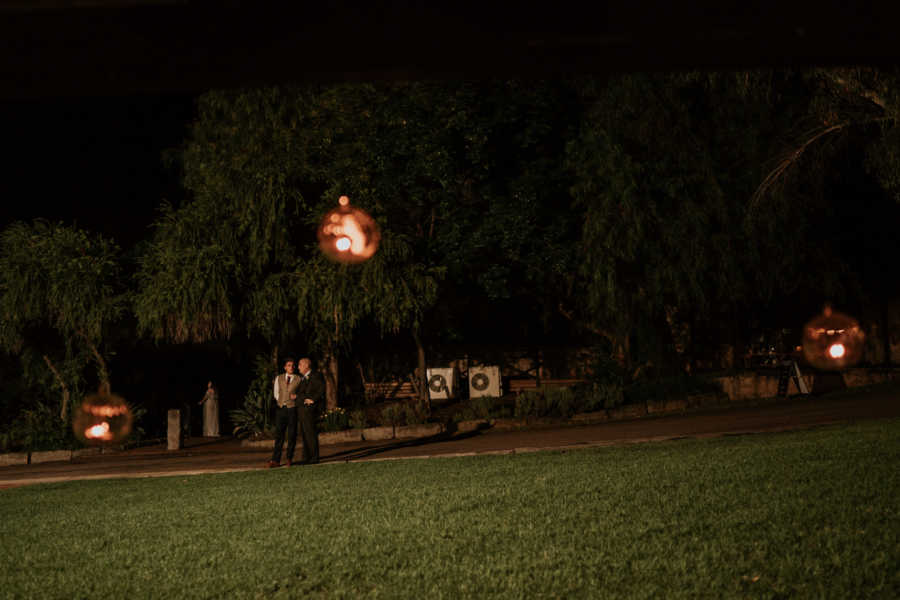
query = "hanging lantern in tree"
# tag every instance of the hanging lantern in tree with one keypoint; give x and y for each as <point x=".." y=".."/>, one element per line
<point x="348" y="234"/>
<point x="102" y="419"/>
<point x="832" y="341"/>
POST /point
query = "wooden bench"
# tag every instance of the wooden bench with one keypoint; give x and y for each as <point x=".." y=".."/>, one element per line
<point x="516" y="386"/>
<point x="390" y="390"/>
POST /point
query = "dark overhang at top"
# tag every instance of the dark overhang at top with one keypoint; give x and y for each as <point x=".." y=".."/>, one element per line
<point x="58" y="48"/>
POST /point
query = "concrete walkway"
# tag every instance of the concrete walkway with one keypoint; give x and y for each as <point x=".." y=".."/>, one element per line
<point x="219" y="455"/>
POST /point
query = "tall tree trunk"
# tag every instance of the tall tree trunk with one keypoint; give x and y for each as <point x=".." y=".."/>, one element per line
<point x="268" y="399"/>
<point x="64" y="406"/>
<point x="886" y="332"/>
<point x="331" y="379"/>
<point x="421" y="375"/>
<point x="627" y="362"/>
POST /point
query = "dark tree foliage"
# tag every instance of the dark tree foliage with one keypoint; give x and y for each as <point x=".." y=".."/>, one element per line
<point x="687" y="215"/>
<point x="659" y="217"/>
<point x="60" y="295"/>
<point x="465" y="182"/>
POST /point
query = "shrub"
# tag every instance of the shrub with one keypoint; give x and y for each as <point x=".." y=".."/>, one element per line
<point x="667" y="387"/>
<point x="335" y="419"/>
<point x="392" y="415"/>
<point x="415" y="413"/>
<point x="531" y="404"/>
<point x="560" y="402"/>
<point x="598" y="396"/>
<point x="478" y="408"/>
<point x="7" y="441"/>
<point x="548" y="402"/>
<point x="137" y="414"/>
<point x="40" y="428"/>
<point x="253" y="418"/>
<point x="249" y="420"/>
<point x="358" y="418"/>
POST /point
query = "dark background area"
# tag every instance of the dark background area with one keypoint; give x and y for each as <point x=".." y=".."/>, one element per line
<point x="60" y="48"/>
<point x="93" y="93"/>
<point x="94" y="161"/>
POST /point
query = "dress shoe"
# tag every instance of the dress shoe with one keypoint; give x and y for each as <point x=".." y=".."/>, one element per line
<point x="272" y="464"/>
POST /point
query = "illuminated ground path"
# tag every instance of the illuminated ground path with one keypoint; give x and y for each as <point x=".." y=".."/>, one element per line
<point x="208" y="455"/>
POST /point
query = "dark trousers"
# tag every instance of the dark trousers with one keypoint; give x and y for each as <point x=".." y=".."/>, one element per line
<point x="310" y="434"/>
<point x="285" y="422"/>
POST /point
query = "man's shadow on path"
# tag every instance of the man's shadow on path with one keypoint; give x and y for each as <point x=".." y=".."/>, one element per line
<point x="444" y="436"/>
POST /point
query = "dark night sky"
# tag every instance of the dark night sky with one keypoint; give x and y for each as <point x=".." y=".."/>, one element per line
<point x="92" y="93"/>
<point x="94" y="161"/>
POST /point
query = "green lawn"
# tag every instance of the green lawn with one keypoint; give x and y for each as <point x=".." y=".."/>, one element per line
<point x="811" y="514"/>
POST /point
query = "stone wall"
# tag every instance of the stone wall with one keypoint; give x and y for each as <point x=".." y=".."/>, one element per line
<point x="753" y="386"/>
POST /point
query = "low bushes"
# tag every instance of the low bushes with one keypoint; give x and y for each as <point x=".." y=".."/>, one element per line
<point x="484" y="408"/>
<point x="655" y="390"/>
<point x="564" y="402"/>
<point x="398" y="414"/>
<point x="335" y="419"/>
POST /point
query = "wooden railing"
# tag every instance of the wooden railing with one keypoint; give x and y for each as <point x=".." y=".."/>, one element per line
<point x="390" y="390"/>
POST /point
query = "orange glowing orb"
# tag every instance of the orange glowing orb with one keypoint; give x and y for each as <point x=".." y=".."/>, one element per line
<point x="102" y="419"/>
<point x="833" y="341"/>
<point x="348" y="234"/>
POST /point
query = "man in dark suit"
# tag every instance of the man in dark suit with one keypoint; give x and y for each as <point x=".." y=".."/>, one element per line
<point x="285" y="393"/>
<point x="312" y="394"/>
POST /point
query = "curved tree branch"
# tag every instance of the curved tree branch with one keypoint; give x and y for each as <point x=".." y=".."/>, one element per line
<point x="64" y="408"/>
<point x="789" y="160"/>
<point x="102" y="371"/>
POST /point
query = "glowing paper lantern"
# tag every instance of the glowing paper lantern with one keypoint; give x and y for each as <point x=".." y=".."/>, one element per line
<point x="348" y="234"/>
<point x="102" y="419"/>
<point x="832" y="341"/>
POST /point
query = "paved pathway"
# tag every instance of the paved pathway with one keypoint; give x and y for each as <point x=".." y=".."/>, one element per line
<point x="217" y="455"/>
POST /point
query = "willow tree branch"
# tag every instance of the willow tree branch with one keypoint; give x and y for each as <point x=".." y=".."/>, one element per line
<point x="789" y="160"/>
<point x="793" y="157"/>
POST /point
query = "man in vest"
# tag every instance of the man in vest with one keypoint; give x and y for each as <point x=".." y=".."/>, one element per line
<point x="285" y="392"/>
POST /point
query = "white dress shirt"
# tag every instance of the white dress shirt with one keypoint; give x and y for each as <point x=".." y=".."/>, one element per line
<point x="275" y="387"/>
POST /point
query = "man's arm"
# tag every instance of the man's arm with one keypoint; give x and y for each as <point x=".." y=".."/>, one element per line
<point x="275" y="389"/>
<point x="316" y="390"/>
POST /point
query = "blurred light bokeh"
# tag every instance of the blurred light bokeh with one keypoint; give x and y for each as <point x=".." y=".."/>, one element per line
<point x="102" y="419"/>
<point x="348" y="234"/>
<point x="832" y="341"/>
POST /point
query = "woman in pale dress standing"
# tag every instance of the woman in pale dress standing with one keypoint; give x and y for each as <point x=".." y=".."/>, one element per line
<point x="210" y="404"/>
